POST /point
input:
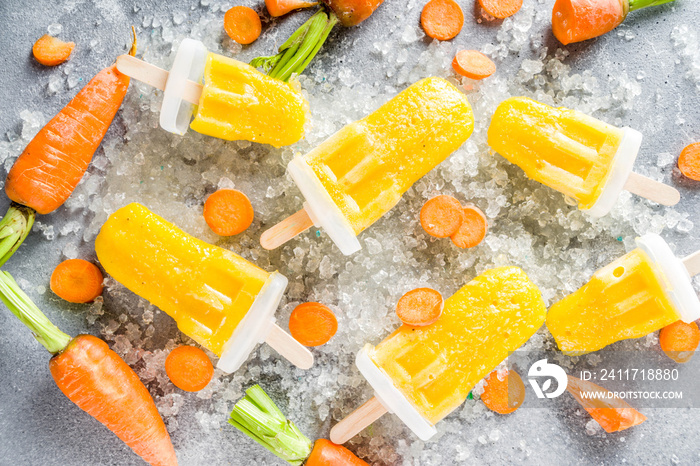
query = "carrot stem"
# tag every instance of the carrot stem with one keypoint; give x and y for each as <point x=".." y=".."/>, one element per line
<point x="639" y="4"/>
<point x="17" y="301"/>
<point x="257" y="416"/>
<point x="14" y="228"/>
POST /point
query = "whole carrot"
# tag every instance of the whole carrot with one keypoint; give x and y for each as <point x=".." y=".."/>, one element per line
<point x="97" y="380"/>
<point x="53" y="163"/>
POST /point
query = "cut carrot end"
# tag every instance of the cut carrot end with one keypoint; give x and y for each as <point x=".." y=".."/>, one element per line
<point x="189" y="368"/>
<point x="473" y="229"/>
<point x="501" y="8"/>
<point x="680" y="340"/>
<point x="473" y="64"/>
<point x="441" y="216"/>
<point x="228" y="212"/>
<point x="282" y="7"/>
<point x="505" y="395"/>
<point x="420" y="307"/>
<point x="578" y="20"/>
<point x="689" y="161"/>
<point x="312" y="324"/>
<point x="50" y="51"/>
<point x="242" y="24"/>
<point x="77" y="281"/>
<point x="442" y="19"/>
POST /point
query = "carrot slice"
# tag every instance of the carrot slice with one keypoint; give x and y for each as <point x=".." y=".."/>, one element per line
<point x="228" y="212"/>
<point x="689" y="161"/>
<point x="611" y="412"/>
<point x="442" y="19"/>
<point x="282" y="7"/>
<point x="189" y="368"/>
<point x="242" y="24"/>
<point x="501" y="8"/>
<point x="473" y="64"/>
<point x="77" y="281"/>
<point x="441" y="216"/>
<point x="505" y="395"/>
<point x="50" y="51"/>
<point x="579" y="20"/>
<point x="312" y="324"/>
<point x="420" y="307"/>
<point x="473" y="229"/>
<point x="680" y="340"/>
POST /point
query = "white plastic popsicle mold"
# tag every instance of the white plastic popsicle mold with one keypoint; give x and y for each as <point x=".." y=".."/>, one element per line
<point x="622" y="165"/>
<point x="255" y="326"/>
<point x="321" y="208"/>
<point x="176" y="113"/>
<point x="391" y="398"/>
<point x="675" y="278"/>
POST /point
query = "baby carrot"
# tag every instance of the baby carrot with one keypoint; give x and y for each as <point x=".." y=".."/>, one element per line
<point x="228" y="212"/>
<point x="189" y="368"/>
<point x="353" y="12"/>
<point x="442" y="19"/>
<point x="282" y="7"/>
<point x="503" y="395"/>
<point x="579" y="20"/>
<point x="473" y="64"/>
<point x="312" y="324"/>
<point x="97" y="380"/>
<point x="501" y="8"/>
<point x="50" y="51"/>
<point x="327" y="453"/>
<point x="420" y="307"/>
<point x="441" y="216"/>
<point x="473" y="229"/>
<point x="242" y="24"/>
<point x="689" y="161"/>
<point x="680" y="340"/>
<point x="77" y="281"/>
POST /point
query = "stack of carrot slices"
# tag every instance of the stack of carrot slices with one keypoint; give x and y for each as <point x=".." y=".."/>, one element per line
<point x="444" y="216"/>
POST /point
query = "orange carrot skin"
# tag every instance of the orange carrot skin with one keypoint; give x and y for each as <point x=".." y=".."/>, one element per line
<point x="53" y="163"/>
<point x="579" y="20"/>
<point x="97" y="380"/>
<point x="327" y="453"/>
<point x="353" y="12"/>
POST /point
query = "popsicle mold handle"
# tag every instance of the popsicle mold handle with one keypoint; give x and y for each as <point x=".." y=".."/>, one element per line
<point x="320" y="207"/>
<point x="391" y="398"/>
<point x="255" y="326"/>
<point x="692" y="263"/>
<point x="653" y="190"/>
<point x="674" y="275"/>
<point x="176" y="112"/>
<point x="287" y="346"/>
<point x="357" y="421"/>
<point x="622" y="164"/>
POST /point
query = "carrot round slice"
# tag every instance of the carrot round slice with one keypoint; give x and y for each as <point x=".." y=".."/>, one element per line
<point x="501" y="8"/>
<point x="473" y="64"/>
<point x="228" y="212"/>
<point x="312" y="324"/>
<point x="441" y="216"/>
<point x="442" y="19"/>
<point x="473" y="229"/>
<point x="242" y="24"/>
<point x="420" y="307"/>
<point x="77" y="281"/>
<point x="689" y="161"/>
<point x="506" y="395"/>
<point x="189" y="368"/>
<point x="680" y="340"/>
<point x="50" y="51"/>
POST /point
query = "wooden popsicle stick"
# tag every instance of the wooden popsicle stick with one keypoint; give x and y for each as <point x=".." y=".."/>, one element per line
<point x="156" y="77"/>
<point x="692" y="263"/>
<point x="653" y="190"/>
<point x="285" y="230"/>
<point x="287" y="346"/>
<point x="356" y="421"/>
